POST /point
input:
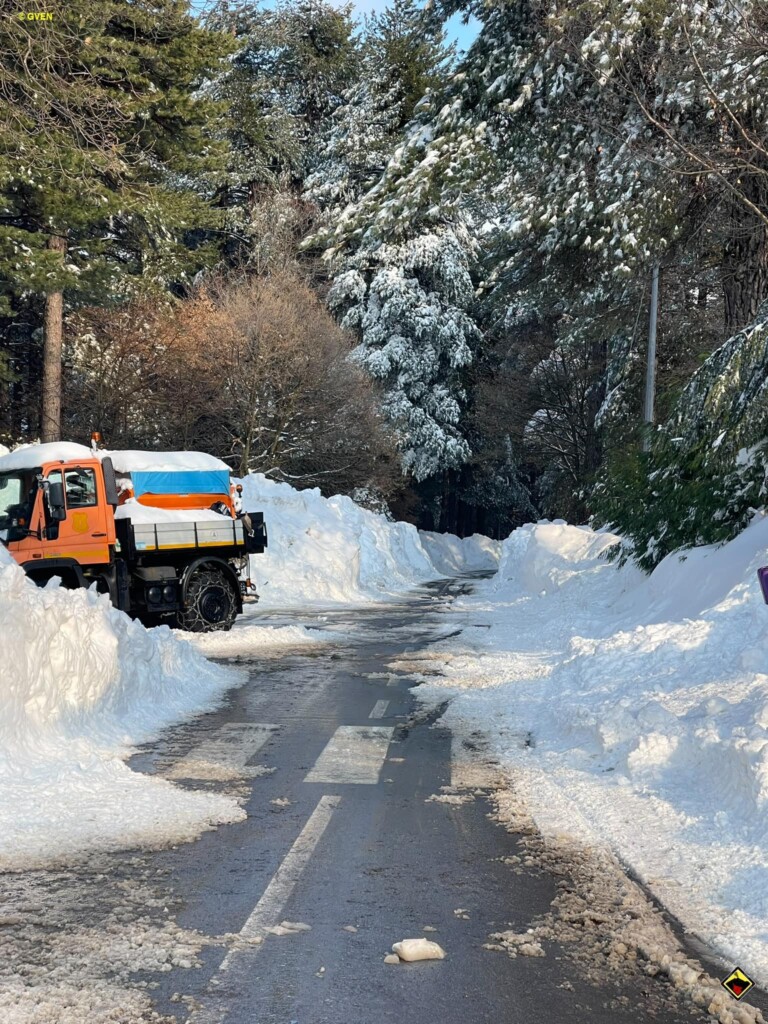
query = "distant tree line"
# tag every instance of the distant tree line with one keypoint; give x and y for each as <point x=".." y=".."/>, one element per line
<point x="348" y="256"/>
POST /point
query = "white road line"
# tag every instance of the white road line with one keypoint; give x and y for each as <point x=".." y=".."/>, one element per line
<point x="393" y="680"/>
<point x="267" y="912"/>
<point x="379" y="709"/>
<point x="225" y="754"/>
<point x="354" y="754"/>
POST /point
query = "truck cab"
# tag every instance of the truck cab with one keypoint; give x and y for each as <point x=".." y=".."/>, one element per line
<point x="173" y="556"/>
<point x="56" y="517"/>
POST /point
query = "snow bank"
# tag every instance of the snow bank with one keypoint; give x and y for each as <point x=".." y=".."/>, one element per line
<point x="330" y="550"/>
<point x="451" y="555"/>
<point x="80" y="684"/>
<point x="645" y="700"/>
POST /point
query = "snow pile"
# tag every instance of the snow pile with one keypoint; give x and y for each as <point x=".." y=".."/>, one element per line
<point x="330" y="550"/>
<point x="80" y="684"/>
<point x="451" y="555"/>
<point x="637" y="709"/>
<point x="244" y="639"/>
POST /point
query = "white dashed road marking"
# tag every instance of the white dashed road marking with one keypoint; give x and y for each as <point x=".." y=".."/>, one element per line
<point x="267" y="912"/>
<point x="229" y="751"/>
<point x="379" y="709"/>
<point x="354" y="754"/>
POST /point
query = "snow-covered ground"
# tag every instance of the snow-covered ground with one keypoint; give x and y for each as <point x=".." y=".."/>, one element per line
<point x="81" y="685"/>
<point x="329" y="550"/>
<point x="632" y="710"/>
<point x="634" y="713"/>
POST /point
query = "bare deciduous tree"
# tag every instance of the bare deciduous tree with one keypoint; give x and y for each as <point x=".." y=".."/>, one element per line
<point x="256" y="372"/>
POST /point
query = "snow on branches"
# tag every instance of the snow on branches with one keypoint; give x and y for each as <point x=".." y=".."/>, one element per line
<point x="408" y="303"/>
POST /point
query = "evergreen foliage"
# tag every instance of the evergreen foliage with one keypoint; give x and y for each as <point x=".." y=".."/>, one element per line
<point x="400" y="63"/>
<point x="706" y="471"/>
<point x="102" y="143"/>
<point x="109" y="151"/>
<point x="576" y="146"/>
<point x="408" y="304"/>
<point x="487" y="227"/>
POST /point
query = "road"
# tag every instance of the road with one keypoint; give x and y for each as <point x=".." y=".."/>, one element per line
<point x="349" y="837"/>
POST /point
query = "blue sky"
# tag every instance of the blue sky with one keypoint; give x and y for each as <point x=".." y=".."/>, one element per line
<point x="462" y="35"/>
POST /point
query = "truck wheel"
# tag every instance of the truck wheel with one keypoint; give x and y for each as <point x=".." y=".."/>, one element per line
<point x="211" y="602"/>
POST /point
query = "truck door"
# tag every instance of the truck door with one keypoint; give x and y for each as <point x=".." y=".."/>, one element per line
<point x="84" y="535"/>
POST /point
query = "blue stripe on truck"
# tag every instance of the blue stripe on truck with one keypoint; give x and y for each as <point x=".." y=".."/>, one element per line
<point x="185" y="481"/>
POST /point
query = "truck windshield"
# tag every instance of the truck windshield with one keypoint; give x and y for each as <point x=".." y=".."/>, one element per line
<point x="17" y="492"/>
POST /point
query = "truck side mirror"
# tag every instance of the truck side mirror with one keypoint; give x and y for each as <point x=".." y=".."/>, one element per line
<point x="56" y="503"/>
<point x="762" y="575"/>
<point x="110" y="483"/>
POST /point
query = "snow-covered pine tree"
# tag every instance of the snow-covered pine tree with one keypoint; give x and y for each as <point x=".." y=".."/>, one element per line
<point x="407" y="302"/>
<point x="566" y="134"/>
<point x="400" y="62"/>
<point x="481" y="164"/>
<point x="402" y="285"/>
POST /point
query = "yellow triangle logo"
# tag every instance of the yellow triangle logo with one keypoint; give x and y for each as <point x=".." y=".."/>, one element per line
<point x="737" y="983"/>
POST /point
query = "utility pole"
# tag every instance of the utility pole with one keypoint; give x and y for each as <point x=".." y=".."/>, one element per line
<point x="650" y="372"/>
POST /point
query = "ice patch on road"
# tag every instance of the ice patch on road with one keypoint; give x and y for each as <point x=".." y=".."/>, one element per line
<point x="456" y="799"/>
<point x="516" y="944"/>
<point x="289" y="928"/>
<point x="73" y="943"/>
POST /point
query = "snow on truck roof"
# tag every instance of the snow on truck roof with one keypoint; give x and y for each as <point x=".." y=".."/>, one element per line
<point x="164" y="462"/>
<point x="33" y="455"/>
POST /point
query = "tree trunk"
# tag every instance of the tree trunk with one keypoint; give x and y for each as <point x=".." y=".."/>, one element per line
<point x="745" y="264"/>
<point x="53" y="329"/>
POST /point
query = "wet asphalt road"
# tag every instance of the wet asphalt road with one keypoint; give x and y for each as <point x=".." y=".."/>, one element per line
<point x="380" y="858"/>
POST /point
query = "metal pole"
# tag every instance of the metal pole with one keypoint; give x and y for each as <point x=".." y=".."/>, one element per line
<point x="650" y="374"/>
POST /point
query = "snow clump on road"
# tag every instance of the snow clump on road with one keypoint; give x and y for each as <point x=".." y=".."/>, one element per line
<point x="245" y="639"/>
<point x="634" y="711"/>
<point x="81" y="684"/>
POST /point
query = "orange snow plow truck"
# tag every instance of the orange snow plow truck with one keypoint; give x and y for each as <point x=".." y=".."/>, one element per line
<point x="159" y="532"/>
